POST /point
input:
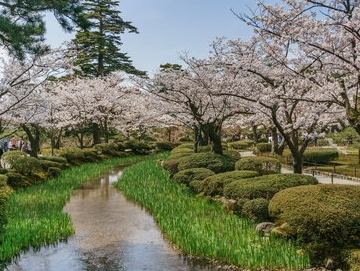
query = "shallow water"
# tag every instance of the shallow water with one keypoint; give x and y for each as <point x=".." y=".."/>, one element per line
<point x="111" y="233"/>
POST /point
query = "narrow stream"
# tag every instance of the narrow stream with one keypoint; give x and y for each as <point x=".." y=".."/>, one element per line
<point x="111" y="233"/>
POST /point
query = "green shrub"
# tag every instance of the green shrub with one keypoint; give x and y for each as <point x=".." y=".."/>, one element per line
<point x="215" y="162"/>
<point x="214" y="185"/>
<point x="26" y="165"/>
<point x="137" y="147"/>
<point x="73" y="156"/>
<point x="181" y="150"/>
<point x="265" y="186"/>
<point x="166" y="146"/>
<point x="3" y="170"/>
<point x="263" y="147"/>
<point x="240" y="145"/>
<point x="111" y="149"/>
<point x="188" y="175"/>
<point x="171" y="165"/>
<point x="179" y="155"/>
<point x="204" y="149"/>
<point x="196" y="185"/>
<point x="186" y="146"/>
<point x="5" y="192"/>
<point x="91" y="156"/>
<point x="235" y="155"/>
<point x="45" y="164"/>
<point x="16" y="180"/>
<point x="53" y="171"/>
<point x="320" y="214"/>
<point x="320" y="156"/>
<point x="56" y="159"/>
<point x="256" y="209"/>
<point x="262" y="140"/>
<point x="263" y="165"/>
<point x="9" y="158"/>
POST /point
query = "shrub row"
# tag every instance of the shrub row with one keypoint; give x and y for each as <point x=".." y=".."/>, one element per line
<point x="318" y="156"/>
<point x="241" y="145"/>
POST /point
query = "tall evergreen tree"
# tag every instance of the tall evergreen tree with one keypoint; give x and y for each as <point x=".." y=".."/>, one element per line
<point x="22" y="25"/>
<point x="99" y="46"/>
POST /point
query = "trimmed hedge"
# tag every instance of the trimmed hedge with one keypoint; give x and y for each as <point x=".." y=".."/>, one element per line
<point x="5" y="192"/>
<point x="171" y="165"/>
<point x="9" y="158"/>
<point x="179" y="155"/>
<point x="188" y="175"/>
<point x="166" y="145"/>
<point x="92" y="156"/>
<point x="265" y="186"/>
<point x="111" y="149"/>
<point x="53" y="171"/>
<point x="73" y="156"/>
<point x="45" y="164"/>
<point x="181" y="150"/>
<point x="138" y="147"/>
<point x="320" y="156"/>
<point x="263" y="165"/>
<point x="256" y="209"/>
<point x="320" y="214"/>
<point x="16" y="180"/>
<point x="56" y="159"/>
<point x="263" y="147"/>
<point x="241" y="145"/>
<point x="235" y="155"/>
<point x="214" y="185"/>
<point x="215" y="162"/>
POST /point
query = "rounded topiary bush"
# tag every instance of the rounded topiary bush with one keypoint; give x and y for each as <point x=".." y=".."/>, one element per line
<point x="21" y="163"/>
<point x="138" y="147"/>
<point x="235" y="155"/>
<point x="265" y="186"/>
<point x="215" y="162"/>
<point x="111" y="149"/>
<point x="320" y="214"/>
<point x="171" y="165"/>
<point x="45" y="164"/>
<point x="256" y="209"/>
<point x="56" y="159"/>
<point x="188" y="175"/>
<point x="179" y="150"/>
<point x="5" y="192"/>
<point x="166" y="145"/>
<point x="263" y="165"/>
<point x="179" y="155"/>
<point x="16" y="180"/>
<point x="240" y="145"/>
<point x="320" y="156"/>
<point x="91" y="156"/>
<point x="214" y="185"/>
<point x="9" y="158"/>
<point x="263" y="147"/>
<point x="73" y="156"/>
<point x="53" y="171"/>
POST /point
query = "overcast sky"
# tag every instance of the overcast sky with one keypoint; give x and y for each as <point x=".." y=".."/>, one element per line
<point x="169" y="27"/>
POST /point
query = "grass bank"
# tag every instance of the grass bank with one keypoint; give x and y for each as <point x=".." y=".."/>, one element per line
<point x="200" y="227"/>
<point x="35" y="214"/>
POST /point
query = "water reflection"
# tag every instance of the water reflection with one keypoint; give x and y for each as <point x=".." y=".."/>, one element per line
<point x="112" y="233"/>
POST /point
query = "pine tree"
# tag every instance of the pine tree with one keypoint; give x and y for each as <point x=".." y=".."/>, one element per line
<point x="99" y="45"/>
<point x="22" y="25"/>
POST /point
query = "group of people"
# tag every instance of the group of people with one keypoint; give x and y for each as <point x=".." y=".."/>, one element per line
<point x="14" y="144"/>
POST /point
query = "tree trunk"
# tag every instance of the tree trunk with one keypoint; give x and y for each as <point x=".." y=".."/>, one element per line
<point x="169" y="134"/>
<point x="214" y="132"/>
<point x="254" y="128"/>
<point x="58" y="140"/>
<point x="274" y="142"/>
<point x="106" y="130"/>
<point x="33" y="138"/>
<point x="298" y="164"/>
<point x="96" y="134"/>
<point x="52" y="145"/>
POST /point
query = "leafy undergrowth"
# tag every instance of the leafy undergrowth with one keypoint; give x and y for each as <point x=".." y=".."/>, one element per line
<point x="200" y="227"/>
<point x="36" y="214"/>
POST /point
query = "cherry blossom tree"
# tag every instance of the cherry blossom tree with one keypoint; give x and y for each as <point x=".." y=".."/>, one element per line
<point x="188" y="94"/>
<point x="276" y="88"/>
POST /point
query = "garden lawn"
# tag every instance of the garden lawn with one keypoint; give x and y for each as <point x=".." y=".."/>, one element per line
<point x="35" y="214"/>
<point x="200" y="227"/>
